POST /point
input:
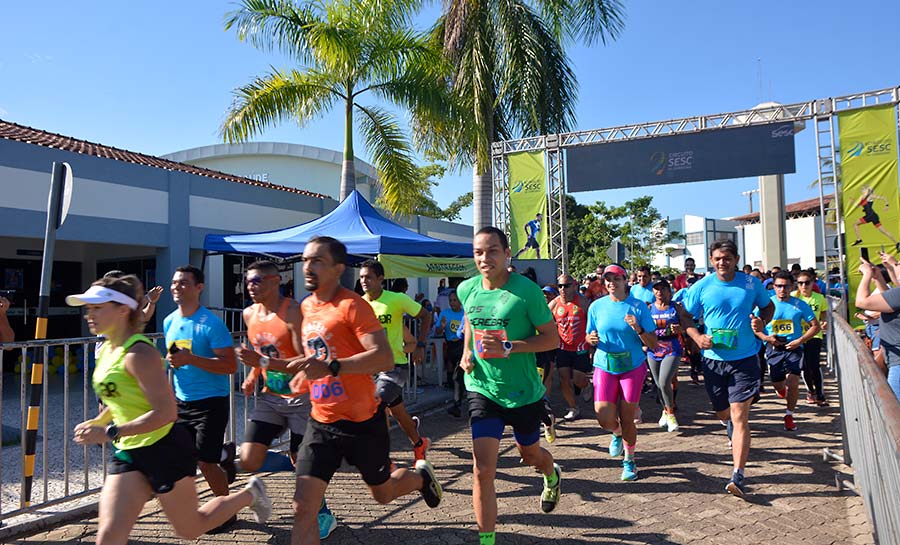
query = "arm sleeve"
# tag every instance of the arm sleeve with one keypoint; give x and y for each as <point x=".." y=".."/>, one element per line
<point x="690" y="299"/>
<point x="219" y="336"/>
<point x="410" y="306"/>
<point x="807" y="312"/>
<point x="591" y="323"/>
<point x="646" y="319"/>
<point x="362" y="318"/>
<point x="892" y="296"/>
<point x="763" y="298"/>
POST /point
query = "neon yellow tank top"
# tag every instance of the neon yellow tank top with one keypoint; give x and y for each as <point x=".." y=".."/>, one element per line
<point x="119" y="391"/>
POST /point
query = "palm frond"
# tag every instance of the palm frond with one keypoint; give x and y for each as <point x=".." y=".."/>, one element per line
<point x="593" y="20"/>
<point x="392" y="155"/>
<point x="275" y="25"/>
<point x="277" y="97"/>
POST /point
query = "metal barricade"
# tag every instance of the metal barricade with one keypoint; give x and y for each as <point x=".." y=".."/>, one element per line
<point x="871" y="416"/>
<point x="65" y="471"/>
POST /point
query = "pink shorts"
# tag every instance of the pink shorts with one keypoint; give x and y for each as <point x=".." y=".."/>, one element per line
<point x="608" y="387"/>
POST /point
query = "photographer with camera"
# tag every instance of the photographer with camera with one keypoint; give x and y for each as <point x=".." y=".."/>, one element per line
<point x="6" y="332"/>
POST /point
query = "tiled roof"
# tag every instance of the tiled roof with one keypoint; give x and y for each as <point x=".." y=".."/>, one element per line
<point x="29" y="135"/>
<point x="796" y="209"/>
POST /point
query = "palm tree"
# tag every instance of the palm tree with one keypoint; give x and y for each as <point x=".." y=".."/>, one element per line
<point x="511" y="73"/>
<point x="346" y="48"/>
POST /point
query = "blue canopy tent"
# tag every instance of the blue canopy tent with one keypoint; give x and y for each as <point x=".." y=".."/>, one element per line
<point x="355" y="222"/>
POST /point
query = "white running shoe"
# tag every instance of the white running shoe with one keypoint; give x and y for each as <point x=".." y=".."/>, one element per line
<point x="671" y="423"/>
<point x="663" y="420"/>
<point x="261" y="505"/>
<point x="573" y="414"/>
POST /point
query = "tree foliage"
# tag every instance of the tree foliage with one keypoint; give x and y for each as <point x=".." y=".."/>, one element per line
<point x="592" y="229"/>
<point x="420" y="187"/>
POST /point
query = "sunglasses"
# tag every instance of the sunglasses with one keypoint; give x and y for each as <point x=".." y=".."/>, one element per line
<point x="782" y="286"/>
<point x="564" y="285"/>
<point x="256" y="280"/>
<point x="803" y="282"/>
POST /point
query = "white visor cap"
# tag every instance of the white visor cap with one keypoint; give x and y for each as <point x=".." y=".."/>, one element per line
<point x="96" y="295"/>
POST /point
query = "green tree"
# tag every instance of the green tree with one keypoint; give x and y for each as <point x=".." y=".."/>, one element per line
<point x="421" y="187"/>
<point x="510" y="74"/>
<point x="346" y="49"/>
<point x="592" y="229"/>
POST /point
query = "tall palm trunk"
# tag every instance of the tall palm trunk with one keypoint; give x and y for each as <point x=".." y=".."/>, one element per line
<point x="482" y="198"/>
<point x="348" y="168"/>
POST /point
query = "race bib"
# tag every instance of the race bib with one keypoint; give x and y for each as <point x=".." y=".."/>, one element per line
<point x="327" y="391"/>
<point x="664" y="348"/>
<point x="278" y="382"/>
<point x="618" y="362"/>
<point x="724" y="338"/>
<point x="480" y="334"/>
<point x="783" y="327"/>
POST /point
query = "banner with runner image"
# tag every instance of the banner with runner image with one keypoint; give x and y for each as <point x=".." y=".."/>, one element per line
<point x="528" y="205"/>
<point x="868" y="144"/>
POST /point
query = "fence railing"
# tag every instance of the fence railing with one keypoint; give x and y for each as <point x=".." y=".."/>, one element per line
<point x="62" y="469"/>
<point x="871" y="421"/>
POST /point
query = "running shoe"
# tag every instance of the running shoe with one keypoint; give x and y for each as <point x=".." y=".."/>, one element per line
<point x="663" y="420"/>
<point x="261" y="504"/>
<point x="629" y="470"/>
<point x="782" y="393"/>
<point x="424" y="445"/>
<point x="587" y="393"/>
<point x="228" y="465"/>
<point x="671" y="423"/>
<point x="616" y="446"/>
<point x="789" y="424"/>
<point x="431" y="488"/>
<point x="550" y="495"/>
<point x="822" y="402"/>
<point x="550" y="429"/>
<point x="327" y="524"/>
<point x="735" y="486"/>
<point x="811" y="399"/>
<point x="572" y="415"/>
<point x="417" y="422"/>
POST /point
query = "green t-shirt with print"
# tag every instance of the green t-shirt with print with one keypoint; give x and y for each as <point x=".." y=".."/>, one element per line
<point x="817" y="303"/>
<point x="512" y="311"/>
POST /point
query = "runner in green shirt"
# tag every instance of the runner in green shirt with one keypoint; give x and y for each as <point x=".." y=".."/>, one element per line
<point x="507" y="322"/>
<point x="812" y="370"/>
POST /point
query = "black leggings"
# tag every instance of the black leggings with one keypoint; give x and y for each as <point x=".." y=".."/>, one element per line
<point x="812" y="370"/>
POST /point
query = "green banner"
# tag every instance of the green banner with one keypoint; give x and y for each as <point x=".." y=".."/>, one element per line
<point x="528" y="205"/>
<point x="404" y="266"/>
<point x="868" y="143"/>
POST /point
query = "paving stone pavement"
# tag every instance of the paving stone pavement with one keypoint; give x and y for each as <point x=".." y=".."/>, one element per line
<point x="679" y="497"/>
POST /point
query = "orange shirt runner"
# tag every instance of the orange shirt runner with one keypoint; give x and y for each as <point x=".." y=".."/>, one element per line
<point x="270" y="336"/>
<point x="331" y="331"/>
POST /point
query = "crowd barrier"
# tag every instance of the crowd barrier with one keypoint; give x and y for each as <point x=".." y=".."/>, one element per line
<point x="871" y="423"/>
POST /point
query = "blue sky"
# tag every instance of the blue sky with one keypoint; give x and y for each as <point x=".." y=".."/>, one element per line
<point x="156" y="77"/>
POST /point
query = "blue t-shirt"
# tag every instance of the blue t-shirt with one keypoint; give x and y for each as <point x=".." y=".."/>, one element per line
<point x="453" y="329"/>
<point x="725" y="308"/>
<point x="620" y="349"/>
<point x="201" y="333"/>
<point x="788" y="319"/>
<point x="532" y="228"/>
<point x="641" y="293"/>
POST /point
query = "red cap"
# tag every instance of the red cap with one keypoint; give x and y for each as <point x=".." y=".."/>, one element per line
<point x="614" y="269"/>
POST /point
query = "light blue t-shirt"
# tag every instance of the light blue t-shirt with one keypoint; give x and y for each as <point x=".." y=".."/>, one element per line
<point x="201" y="333"/>
<point x="725" y="308"/>
<point x="788" y="319"/>
<point x="620" y="349"/>
<point x="641" y="293"/>
<point x="453" y="329"/>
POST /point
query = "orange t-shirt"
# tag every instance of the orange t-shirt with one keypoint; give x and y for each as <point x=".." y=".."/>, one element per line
<point x="331" y="331"/>
<point x="270" y="336"/>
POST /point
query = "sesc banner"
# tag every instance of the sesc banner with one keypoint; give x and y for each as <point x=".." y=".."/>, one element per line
<point x="528" y="205"/>
<point x="868" y="143"/>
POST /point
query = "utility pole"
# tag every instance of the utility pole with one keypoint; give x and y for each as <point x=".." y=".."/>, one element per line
<point x="749" y="195"/>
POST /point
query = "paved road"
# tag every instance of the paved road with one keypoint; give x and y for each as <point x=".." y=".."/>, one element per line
<point x="678" y="498"/>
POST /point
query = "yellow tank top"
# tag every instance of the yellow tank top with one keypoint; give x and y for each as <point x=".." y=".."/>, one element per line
<point x="119" y="391"/>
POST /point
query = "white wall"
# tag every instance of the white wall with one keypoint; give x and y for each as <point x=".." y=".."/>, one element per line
<point x="804" y="243"/>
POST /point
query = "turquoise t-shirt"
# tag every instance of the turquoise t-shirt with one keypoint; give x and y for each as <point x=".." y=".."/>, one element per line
<point x="725" y="308"/>
<point x="512" y="311"/>
<point x="641" y="293"/>
<point x="454" y="322"/>
<point x="201" y="333"/>
<point x="788" y="319"/>
<point x="620" y="349"/>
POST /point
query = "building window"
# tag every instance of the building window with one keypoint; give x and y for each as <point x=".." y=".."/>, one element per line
<point x="725" y="235"/>
<point x="693" y="238"/>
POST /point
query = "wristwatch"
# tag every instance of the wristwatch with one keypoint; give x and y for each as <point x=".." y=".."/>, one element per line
<point x="264" y="362"/>
<point x="507" y="348"/>
<point x="335" y="367"/>
<point x="112" y="432"/>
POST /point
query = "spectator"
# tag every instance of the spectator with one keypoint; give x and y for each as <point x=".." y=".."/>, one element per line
<point x="443" y="295"/>
<point x="6" y="332"/>
<point x="888" y="304"/>
<point x="681" y="281"/>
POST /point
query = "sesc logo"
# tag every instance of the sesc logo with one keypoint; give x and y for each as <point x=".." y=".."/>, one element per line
<point x="875" y="147"/>
<point x="658" y="162"/>
<point x="781" y="132"/>
<point x="528" y="186"/>
<point x="662" y="161"/>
